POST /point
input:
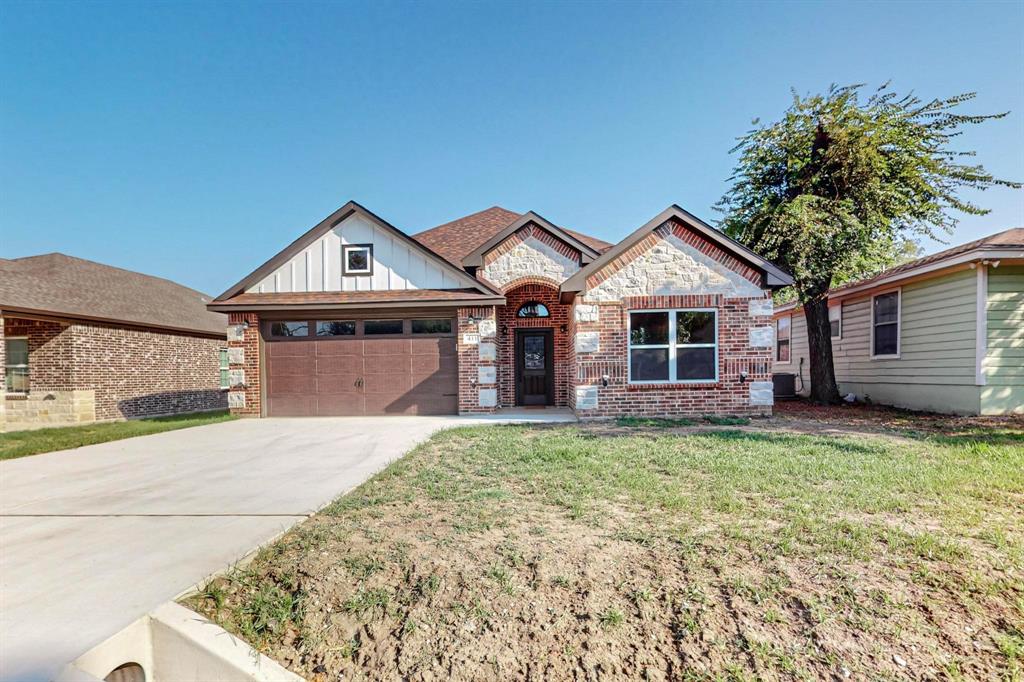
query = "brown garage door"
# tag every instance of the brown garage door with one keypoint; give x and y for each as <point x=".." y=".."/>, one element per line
<point x="360" y="374"/>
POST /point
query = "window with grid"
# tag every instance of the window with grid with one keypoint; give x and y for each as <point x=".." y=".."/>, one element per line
<point x="224" y="381"/>
<point x="673" y="346"/>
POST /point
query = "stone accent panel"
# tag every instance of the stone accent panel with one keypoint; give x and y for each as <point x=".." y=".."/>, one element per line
<point x="762" y="393"/>
<point x="530" y="252"/>
<point x="673" y="261"/>
<point x="244" y="345"/>
<point x="49" y="408"/>
<point x="475" y="361"/>
<point x="762" y="337"/>
<point x="761" y="307"/>
<point x="588" y="342"/>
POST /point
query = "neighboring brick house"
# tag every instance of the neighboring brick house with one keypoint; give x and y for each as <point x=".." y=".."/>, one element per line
<point x="501" y="309"/>
<point x="83" y="342"/>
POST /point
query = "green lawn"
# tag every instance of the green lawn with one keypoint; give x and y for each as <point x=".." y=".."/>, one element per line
<point x="519" y="552"/>
<point x="23" y="443"/>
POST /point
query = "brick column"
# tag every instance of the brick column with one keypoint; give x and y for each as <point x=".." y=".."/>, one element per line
<point x="478" y="359"/>
<point x="244" y="364"/>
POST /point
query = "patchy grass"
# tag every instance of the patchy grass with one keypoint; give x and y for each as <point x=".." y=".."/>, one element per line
<point x="24" y="443"/>
<point x="567" y="552"/>
<point x="666" y="423"/>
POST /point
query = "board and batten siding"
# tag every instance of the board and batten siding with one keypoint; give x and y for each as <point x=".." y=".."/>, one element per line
<point x="1004" y="356"/>
<point x="397" y="265"/>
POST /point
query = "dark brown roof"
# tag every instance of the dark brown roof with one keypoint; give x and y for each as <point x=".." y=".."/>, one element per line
<point x="1012" y="238"/>
<point x="352" y="298"/>
<point x="64" y="286"/>
<point x="459" y="238"/>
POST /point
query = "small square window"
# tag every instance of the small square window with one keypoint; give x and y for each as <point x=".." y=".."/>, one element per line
<point x="335" y="328"/>
<point x="358" y="259"/>
<point x="289" y="328"/>
<point x="373" y="327"/>
<point x="438" y="326"/>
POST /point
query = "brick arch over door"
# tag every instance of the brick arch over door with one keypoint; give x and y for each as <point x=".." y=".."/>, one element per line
<point x="507" y="325"/>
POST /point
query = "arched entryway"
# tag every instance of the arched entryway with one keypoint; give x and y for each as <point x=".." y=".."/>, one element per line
<point x="533" y="340"/>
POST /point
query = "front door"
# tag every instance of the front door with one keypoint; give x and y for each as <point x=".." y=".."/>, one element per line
<point x="534" y="363"/>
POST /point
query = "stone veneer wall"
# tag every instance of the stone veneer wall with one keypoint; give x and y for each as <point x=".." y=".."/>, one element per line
<point x="244" y="364"/>
<point x="672" y="267"/>
<point x="478" y="351"/>
<point x="517" y="295"/>
<point x="531" y="252"/>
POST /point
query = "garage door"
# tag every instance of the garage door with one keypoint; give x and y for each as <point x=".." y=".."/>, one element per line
<point x="361" y="367"/>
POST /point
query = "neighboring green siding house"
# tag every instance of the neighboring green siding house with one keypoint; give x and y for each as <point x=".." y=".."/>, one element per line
<point x="942" y="333"/>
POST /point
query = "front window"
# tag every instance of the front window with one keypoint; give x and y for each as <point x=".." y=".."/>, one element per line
<point x="533" y="309"/>
<point x="885" y="325"/>
<point x="357" y="259"/>
<point x="675" y="346"/>
<point x="835" y="320"/>
<point x="289" y="328"/>
<point x="224" y="382"/>
<point x="782" y="330"/>
<point x="16" y="364"/>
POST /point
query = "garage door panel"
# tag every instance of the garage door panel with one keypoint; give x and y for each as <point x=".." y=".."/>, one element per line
<point x="387" y="364"/>
<point x="386" y="384"/>
<point x="340" y="406"/>
<point x="291" y="406"/>
<point x="338" y="384"/>
<point x="292" y="385"/>
<point x="386" y="347"/>
<point x="339" y="364"/>
<point x="352" y="347"/>
<point x="365" y="375"/>
<point x="290" y="349"/>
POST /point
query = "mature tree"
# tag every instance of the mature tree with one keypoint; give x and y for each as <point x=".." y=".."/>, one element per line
<point x="841" y="186"/>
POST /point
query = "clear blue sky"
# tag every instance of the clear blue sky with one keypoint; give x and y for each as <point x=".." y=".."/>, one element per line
<point x="193" y="141"/>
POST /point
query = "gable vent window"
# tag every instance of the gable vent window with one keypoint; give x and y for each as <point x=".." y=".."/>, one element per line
<point x="533" y="309"/>
<point x="357" y="259"/>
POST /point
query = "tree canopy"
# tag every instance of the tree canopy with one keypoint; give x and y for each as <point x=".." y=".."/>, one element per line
<point x="843" y="185"/>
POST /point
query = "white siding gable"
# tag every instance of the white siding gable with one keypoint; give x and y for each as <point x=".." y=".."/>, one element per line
<point x="671" y="268"/>
<point x="396" y="264"/>
<point x="530" y="258"/>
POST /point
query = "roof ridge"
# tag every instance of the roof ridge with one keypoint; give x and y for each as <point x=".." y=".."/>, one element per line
<point x="136" y="273"/>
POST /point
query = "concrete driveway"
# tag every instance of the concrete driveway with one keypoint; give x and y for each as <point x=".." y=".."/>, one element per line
<point x="93" y="538"/>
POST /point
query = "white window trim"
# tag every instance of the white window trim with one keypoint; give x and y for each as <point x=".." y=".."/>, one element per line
<point x="226" y="366"/>
<point x="838" y="307"/>
<point x="671" y="345"/>
<point x="365" y="272"/>
<point x="779" y="338"/>
<point x="899" y="324"/>
<point x="6" y="365"/>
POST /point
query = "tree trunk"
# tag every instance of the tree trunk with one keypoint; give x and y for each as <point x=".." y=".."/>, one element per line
<point x="824" y="390"/>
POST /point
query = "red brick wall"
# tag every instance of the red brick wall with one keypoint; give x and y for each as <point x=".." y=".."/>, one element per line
<point x="470" y="361"/>
<point x="49" y="352"/>
<point x="250" y="346"/>
<point x="134" y="372"/>
<point x="729" y="395"/>
<point x="507" y="325"/>
<point x="141" y="372"/>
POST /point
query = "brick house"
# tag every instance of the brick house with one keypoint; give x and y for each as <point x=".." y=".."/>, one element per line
<point x="500" y="309"/>
<point x="83" y="342"/>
